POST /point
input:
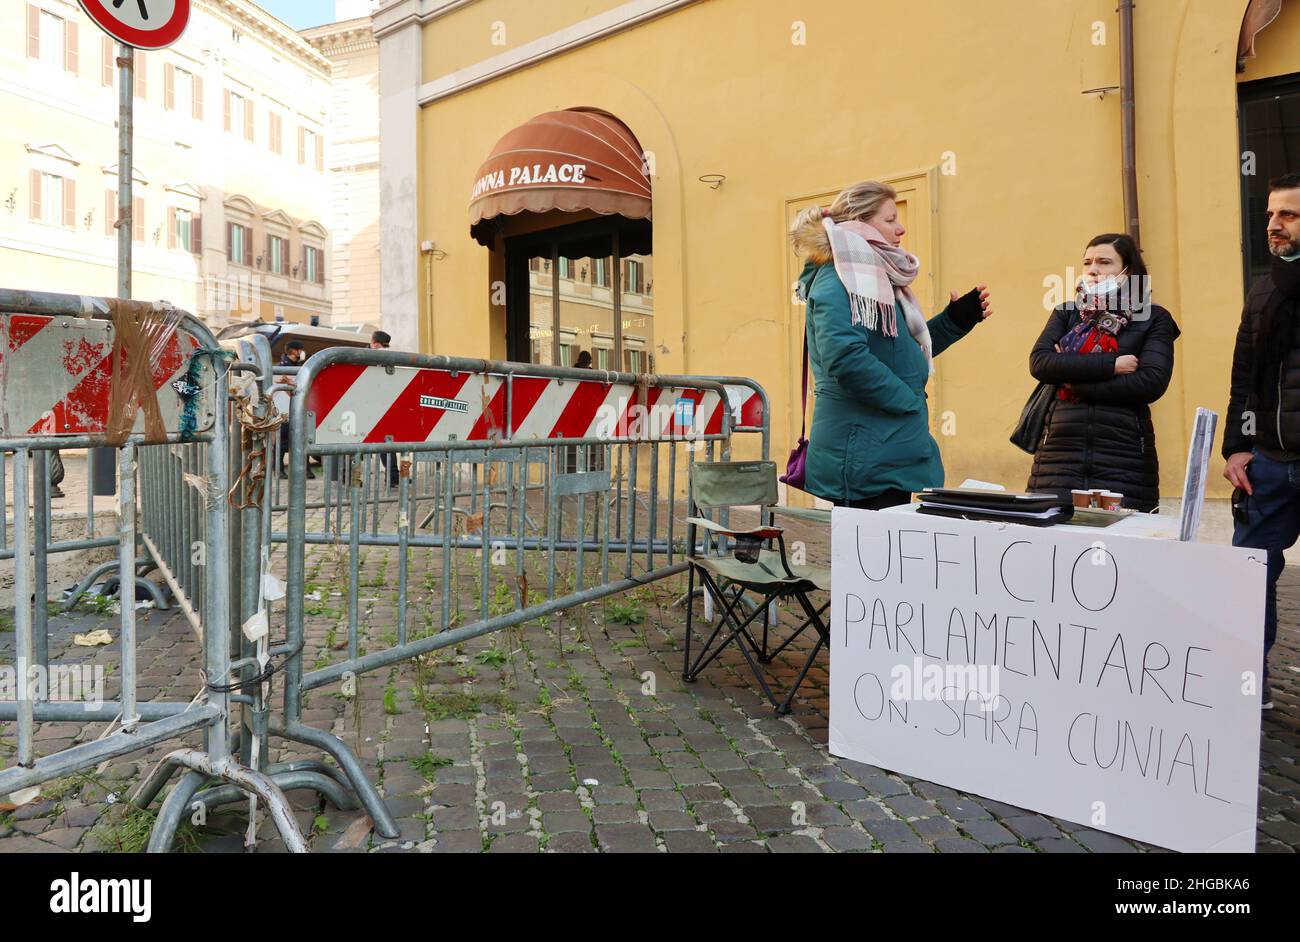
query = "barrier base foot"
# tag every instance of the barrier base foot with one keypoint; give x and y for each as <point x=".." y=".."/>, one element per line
<point x="239" y="782"/>
<point x="366" y="794"/>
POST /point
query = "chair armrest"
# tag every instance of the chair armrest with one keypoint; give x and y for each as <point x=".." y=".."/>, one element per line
<point x="758" y="533"/>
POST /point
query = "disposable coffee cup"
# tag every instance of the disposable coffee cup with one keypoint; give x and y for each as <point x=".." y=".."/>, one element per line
<point x="1110" y="500"/>
<point x="1081" y="498"/>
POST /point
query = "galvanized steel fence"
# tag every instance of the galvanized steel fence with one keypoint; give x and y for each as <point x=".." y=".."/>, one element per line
<point x="541" y="487"/>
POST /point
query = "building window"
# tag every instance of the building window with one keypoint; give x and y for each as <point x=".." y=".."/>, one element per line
<point x="313" y="265"/>
<point x="277" y="251"/>
<point x="600" y="272"/>
<point x="180" y="92"/>
<point x="184" y="230"/>
<point x="566" y="267"/>
<point x="52" y="199"/>
<point x="238" y="115"/>
<point x="602" y="357"/>
<point x="239" y="244"/>
<point x="633" y="361"/>
<point x="634" y="280"/>
<point x="275" y="132"/>
<point x="51" y="40"/>
<point x="310" y="151"/>
<point x="48" y="203"/>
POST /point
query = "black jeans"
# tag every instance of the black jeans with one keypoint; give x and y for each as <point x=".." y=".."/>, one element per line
<point x="890" y="498"/>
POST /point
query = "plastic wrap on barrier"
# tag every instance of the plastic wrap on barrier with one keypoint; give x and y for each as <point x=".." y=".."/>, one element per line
<point x="142" y="333"/>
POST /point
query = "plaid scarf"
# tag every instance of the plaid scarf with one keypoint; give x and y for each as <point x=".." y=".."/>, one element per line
<point x="877" y="276"/>
<point x="1102" y="315"/>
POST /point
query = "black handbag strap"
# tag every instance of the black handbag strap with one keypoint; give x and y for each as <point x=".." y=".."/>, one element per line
<point x="803" y="409"/>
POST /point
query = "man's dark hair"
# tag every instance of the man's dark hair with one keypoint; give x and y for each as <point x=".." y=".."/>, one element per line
<point x="1287" y="181"/>
<point x="381" y="336"/>
<point x="294" y="345"/>
<point x="1127" y="249"/>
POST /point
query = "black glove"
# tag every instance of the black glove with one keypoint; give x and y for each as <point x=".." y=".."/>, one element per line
<point x="967" y="311"/>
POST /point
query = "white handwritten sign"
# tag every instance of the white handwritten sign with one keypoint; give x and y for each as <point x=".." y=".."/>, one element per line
<point x="1104" y="679"/>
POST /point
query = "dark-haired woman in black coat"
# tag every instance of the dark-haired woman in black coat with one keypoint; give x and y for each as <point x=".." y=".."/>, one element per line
<point x="1110" y="352"/>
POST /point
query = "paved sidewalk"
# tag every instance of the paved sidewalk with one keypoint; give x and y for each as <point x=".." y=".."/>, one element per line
<point x="553" y="738"/>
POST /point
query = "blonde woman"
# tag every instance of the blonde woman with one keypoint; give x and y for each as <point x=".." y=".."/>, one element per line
<point x="871" y="351"/>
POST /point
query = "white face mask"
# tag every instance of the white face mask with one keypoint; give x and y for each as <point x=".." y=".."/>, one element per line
<point x="1108" y="285"/>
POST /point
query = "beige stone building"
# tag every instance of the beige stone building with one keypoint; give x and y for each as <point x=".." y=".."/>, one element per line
<point x="232" y="200"/>
<point x="352" y="162"/>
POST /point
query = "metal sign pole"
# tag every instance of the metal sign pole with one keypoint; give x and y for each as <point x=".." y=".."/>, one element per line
<point x="104" y="460"/>
<point x="125" y="108"/>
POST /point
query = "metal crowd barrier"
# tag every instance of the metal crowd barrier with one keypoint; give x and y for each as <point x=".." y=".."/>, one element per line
<point x="65" y="357"/>
<point x="573" y="482"/>
<point x="523" y="464"/>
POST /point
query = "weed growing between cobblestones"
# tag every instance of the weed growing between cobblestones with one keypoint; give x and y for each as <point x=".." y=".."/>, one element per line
<point x="429" y="764"/>
<point x="6" y="622"/>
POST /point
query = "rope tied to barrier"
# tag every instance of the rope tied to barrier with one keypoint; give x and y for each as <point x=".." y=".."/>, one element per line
<point x="254" y="432"/>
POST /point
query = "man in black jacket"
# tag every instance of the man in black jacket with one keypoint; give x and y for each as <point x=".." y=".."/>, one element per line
<point x="1261" y="434"/>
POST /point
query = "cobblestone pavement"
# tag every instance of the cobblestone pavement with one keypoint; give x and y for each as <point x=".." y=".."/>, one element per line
<point x="550" y="737"/>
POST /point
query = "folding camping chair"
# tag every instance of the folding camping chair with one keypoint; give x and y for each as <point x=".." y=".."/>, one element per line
<point x="748" y="568"/>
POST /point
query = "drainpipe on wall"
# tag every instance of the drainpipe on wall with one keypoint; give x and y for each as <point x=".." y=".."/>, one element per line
<point x="1127" y="121"/>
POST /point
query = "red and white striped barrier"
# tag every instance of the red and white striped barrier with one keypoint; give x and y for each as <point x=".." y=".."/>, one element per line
<point x="56" y="372"/>
<point x="356" y="404"/>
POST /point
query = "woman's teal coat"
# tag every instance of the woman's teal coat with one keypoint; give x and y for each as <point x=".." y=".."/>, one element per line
<point x="870" y="428"/>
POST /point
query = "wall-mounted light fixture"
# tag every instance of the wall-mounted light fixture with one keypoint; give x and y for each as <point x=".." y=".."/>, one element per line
<point x="1100" y="92"/>
<point x="90" y="218"/>
<point x="157" y="235"/>
<point x="12" y="202"/>
<point x="714" y="180"/>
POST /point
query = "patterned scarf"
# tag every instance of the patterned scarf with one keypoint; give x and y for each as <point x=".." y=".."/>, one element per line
<point x="1102" y="315"/>
<point x="877" y="276"/>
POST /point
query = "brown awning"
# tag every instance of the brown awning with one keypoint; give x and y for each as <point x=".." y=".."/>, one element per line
<point x="1259" y="14"/>
<point x="573" y="160"/>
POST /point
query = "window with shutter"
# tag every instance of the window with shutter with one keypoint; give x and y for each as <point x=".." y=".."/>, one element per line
<point x="71" y="46"/>
<point x="33" y="32"/>
<point x="248" y="121"/>
<point x="173" y="218"/>
<point x="137" y="219"/>
<point x="302" y="145"/>
<point x="108" y="57"/>
<point x="141" y="82"/>
<point x="34" y="183"/>
<point x="320" y="154"/>
<point x="110" y="212"/>
<point x="196" y="234"/>
<point x="196" y="84"/>
<point x="169" y="86"/>
<point x="248" y="246"/>
<point x="227" y="107"/>
<point x="70" y="202"/>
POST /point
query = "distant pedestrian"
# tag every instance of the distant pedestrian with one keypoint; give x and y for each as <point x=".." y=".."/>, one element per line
<point x="295" y="354"/>
<point x="584" y="360"/>
<point x="380" y="340"/>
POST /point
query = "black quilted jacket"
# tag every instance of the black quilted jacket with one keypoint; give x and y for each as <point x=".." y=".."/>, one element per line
<point x="1106" y="440"/>
<point x="1245" y="424"/>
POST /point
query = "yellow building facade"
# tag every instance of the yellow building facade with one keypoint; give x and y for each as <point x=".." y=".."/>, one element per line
<point x="998" y="121"/>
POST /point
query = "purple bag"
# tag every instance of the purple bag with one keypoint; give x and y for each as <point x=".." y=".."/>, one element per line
<point x="794" y="466"/>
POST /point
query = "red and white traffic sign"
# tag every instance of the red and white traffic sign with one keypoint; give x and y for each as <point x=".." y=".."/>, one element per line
<point x="145" y="24"/>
